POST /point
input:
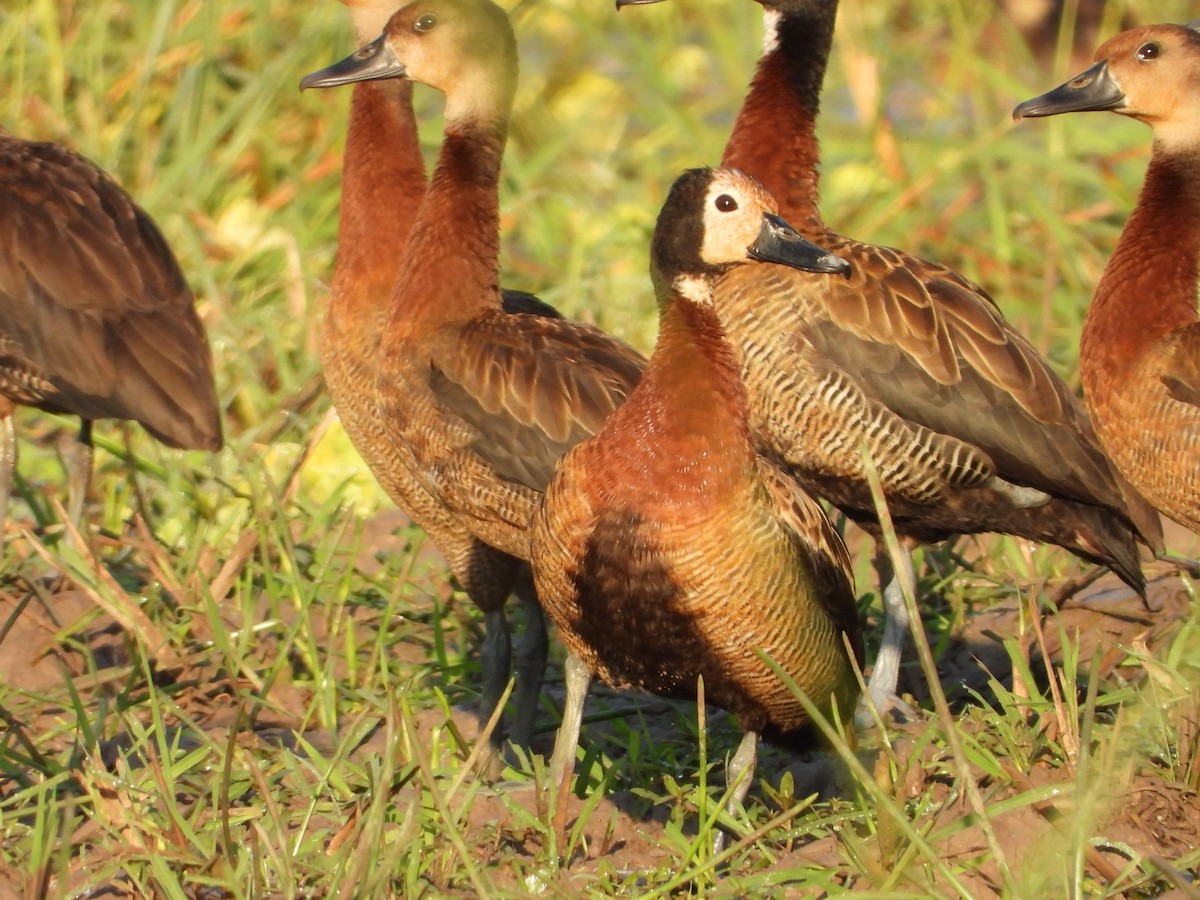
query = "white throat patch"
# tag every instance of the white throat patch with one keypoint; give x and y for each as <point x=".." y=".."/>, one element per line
<point x="695" y="288"/>
<point x="771" y="20"/>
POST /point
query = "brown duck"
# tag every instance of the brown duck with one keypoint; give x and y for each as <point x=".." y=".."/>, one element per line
<point x="1139" y="353"/>
<point x="477" y="397"/>
<point x="969" y="427"/>
<point x="96" y="319"/>
<point x="383" y="179"/>
<point x="668" y="548"/>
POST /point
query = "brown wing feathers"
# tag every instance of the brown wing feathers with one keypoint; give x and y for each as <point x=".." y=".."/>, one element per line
<point x="925" y="348"/>
<point x="523" y="390"/>
<point x="94" y="309"/>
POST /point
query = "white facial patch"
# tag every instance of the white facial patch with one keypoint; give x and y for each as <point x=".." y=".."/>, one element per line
<point x="733" y="217"/>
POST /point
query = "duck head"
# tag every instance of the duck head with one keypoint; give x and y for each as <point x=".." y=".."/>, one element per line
<point x="714" y="219"/>
<point x="1151" y="74"/>
<point x="464" y="48"/>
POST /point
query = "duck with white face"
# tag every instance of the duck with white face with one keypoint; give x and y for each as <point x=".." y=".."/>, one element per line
<point x="667" y="548"/>
<point x="735" y="223"/>
<point x="906" y="364"/>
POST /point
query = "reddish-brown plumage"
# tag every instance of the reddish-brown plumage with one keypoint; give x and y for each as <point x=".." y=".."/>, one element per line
<point x="478" y="393"/>
<point x="782" y="104"/>
<point x="96" y="318"/>
<point x="383" y="181"/>
<point x="1147" y="291"/>
<point x="1140" y="346"/>
<point x="663" y="480"/>
<point x="919" y="317"/>
<point x="453" y="360"/>
<point x="667" y="548"/>
<point x="658" y="444"/>
<point x="445" y="284"/>
<point x="905" y="357"/>
<point x="383" y="184"/>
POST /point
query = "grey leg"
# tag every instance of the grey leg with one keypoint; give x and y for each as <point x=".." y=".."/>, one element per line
<point x="738" y="776"/>
<point x="562" y="762"/>
<point x="78" y="463"/>
<point x="531" y="663"/>
<point x="1191" y="566"/>
<point x="886" y="674"/>
<point x="495" y="658"/>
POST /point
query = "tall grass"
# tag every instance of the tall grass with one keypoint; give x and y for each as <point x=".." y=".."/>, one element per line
<point x="277" y="714"/>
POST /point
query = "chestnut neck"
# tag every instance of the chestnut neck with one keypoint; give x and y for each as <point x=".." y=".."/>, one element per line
<point x="687" y="420"/>
<point x="451" y="263"/>
<point x="383" y="183"/>
<point x="1149" y="285"/>
<point x="774" y="138"/>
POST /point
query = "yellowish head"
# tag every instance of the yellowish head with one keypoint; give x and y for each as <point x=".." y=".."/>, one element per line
<point x="1151" y="74"/>
<point x="464" y="48"/>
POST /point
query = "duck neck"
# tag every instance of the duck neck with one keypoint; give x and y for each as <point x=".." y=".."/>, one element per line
<point x="691" y="403"/>
<point x="774" y="138"/>
<point x="383" y="183"/>
<point x="1149" y="285"/>
<point x="452" y="259"/>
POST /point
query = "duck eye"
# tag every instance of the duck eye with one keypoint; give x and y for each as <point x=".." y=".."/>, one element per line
<point x="1149" y="50"/>
<point x="725" y="203"/>
<point x="426" y="22"/>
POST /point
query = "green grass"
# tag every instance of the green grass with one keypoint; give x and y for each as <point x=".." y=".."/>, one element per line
<point x="277" y="715"/>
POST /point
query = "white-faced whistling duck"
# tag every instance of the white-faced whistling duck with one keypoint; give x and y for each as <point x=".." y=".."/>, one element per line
<point x="969" y="427"/>
<point x="667" y="547"/>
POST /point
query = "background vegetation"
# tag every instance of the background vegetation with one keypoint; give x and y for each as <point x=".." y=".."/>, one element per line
<point x="250" y="685"/>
